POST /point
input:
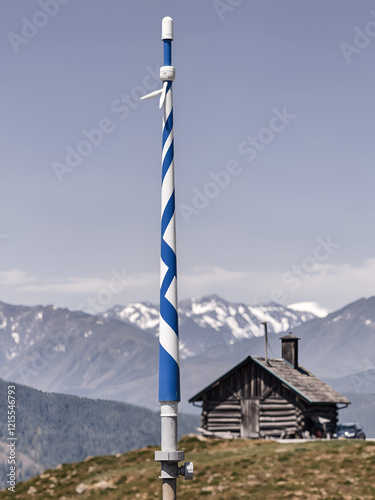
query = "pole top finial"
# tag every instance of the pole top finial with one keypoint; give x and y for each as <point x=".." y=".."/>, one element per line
<point x="167" y="28"/>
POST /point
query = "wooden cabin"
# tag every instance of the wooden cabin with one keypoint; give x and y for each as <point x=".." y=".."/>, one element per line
<point x="263" y="398"/>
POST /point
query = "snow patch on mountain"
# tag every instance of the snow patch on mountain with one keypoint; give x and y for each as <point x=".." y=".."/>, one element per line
<point x="3" y="320"/>
<point x="312" y="307"/>
<point x="144" y="315"/>
<point x="16" y="337"/>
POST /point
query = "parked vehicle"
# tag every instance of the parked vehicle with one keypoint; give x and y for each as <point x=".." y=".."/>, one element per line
<point x="353" y="430"/>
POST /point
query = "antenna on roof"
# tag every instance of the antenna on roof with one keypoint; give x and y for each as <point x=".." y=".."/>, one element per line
<point x="266" y="341"/>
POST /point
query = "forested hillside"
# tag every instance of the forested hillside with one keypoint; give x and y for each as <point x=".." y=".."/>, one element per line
<point x="59" y="428"/>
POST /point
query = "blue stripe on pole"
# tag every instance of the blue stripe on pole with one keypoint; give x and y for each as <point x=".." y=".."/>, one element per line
<point x="169" y="314"/>
<point x="167" y="215"/>
<point x="169" y="258"/>
<point x="168" y="124"/>
<point x="167" y="52"/>
<point x="167" y="160"/>
<point x="169" y="372"/>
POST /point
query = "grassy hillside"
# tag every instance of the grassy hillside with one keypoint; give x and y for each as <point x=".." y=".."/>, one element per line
<point x="224" y="470"/>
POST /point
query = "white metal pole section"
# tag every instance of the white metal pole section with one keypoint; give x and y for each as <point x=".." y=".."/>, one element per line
<point x="169" y="366"/>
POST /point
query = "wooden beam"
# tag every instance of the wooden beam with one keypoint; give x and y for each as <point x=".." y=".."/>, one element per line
<point x="269" y="390"/>
<point x="277" y="425"/>
<point x="278" y="407"/>
<point x="286" y="418"/>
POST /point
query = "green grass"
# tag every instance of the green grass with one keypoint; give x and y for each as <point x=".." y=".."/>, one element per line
<point x="224" y="470"/>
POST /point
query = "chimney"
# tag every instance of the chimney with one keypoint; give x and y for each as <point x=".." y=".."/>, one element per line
<point x="289" y="349"/>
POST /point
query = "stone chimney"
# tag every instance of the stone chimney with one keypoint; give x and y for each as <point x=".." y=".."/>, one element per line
<point x="289" y="349"/>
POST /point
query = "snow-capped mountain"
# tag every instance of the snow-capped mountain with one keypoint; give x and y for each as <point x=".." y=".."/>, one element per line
<point x="59" y="350"/>
<point x="237" y="321"/>
<point x="241" y="320"/>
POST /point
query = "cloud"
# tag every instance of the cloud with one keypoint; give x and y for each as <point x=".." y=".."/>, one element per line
<point x="332" y="285"/>
<point x="203" y="280"/>
<point x="15" y="277"/>
<point x="22" y="281"/>
<point x="230" y="284"/>
<point x="342" y="280"/>
<point x="70" y="285"/>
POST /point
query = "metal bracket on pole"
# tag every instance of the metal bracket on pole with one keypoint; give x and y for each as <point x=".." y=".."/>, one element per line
<point x="169" y="456"/>
<point x="169" y="465"/>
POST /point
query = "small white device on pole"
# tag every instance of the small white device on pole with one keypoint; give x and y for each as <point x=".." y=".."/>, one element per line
<point x="169" y="364"/>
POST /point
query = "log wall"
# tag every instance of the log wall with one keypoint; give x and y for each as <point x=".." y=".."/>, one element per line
<point x="230" y="407"/>
<point x="222" y="417"/>
<point x="277" y="417"/>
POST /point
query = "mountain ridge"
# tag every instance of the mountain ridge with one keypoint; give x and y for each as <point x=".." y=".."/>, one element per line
<point x="73" y="352"/>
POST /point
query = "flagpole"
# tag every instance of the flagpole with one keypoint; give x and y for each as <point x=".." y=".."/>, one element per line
<point x="169" y="364"/>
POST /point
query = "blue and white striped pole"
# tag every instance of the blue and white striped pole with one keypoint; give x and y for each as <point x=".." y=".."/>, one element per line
<point x="169" y="365"/>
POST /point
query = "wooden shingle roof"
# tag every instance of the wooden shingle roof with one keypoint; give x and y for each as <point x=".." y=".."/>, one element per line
<point x="300" y="381"/>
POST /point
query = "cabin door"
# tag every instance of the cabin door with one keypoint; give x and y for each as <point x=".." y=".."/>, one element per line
<point x="249" y="418"/>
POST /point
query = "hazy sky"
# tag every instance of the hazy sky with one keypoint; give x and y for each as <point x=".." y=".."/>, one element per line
<point x="274" y="150"/>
